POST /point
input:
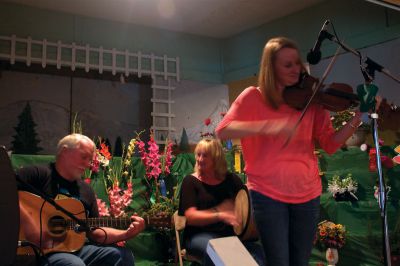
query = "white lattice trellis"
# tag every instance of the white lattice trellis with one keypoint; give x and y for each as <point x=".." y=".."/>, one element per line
<point x="162" y="69"/>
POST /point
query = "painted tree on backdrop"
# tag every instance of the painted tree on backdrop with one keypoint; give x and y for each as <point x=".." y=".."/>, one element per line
<point x="118" y="147"/>
<point x="26" y="141"/>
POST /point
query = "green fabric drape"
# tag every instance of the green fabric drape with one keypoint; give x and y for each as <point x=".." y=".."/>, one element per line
<point x="361" y="218"/>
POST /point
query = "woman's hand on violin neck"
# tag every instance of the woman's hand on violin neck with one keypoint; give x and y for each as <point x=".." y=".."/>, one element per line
<point x="356" y="120"/>
<point x="351" y="126"/>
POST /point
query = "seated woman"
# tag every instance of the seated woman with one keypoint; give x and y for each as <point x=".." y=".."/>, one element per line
<point x="207" y="201"/>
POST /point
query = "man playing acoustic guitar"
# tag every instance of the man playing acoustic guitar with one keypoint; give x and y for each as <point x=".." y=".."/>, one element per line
<point x="48" y="228"/>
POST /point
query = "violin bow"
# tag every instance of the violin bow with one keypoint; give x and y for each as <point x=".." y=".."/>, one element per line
<point x="315" y="89"/>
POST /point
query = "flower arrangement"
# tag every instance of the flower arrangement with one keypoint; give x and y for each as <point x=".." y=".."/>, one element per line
<point x="341" y="188"/>
<point x="117" y="178"/>
<point x="157" y="166"/>
<point x="331" y="235"/>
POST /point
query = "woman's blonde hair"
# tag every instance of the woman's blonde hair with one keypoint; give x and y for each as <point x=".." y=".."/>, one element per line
<point x="213" y="147"/>
<point x="73" y="141"/>
<point x="267" y="75"/>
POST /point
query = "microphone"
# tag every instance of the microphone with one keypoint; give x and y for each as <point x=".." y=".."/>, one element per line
<point x="314" y="56"/>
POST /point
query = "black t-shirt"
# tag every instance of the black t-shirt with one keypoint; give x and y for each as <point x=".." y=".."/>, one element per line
<point x="46" y="179"/>
<point x="195" y="193"/>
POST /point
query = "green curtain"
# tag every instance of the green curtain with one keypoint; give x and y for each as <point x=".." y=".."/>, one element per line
<point x="361" y="218"/>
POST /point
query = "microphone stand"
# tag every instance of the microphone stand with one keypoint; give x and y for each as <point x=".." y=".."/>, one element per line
<point x="369" y="74"/>
<point x="370" y="68"/>
<point x="382" y="195"/>
<point x="369" y="62"/>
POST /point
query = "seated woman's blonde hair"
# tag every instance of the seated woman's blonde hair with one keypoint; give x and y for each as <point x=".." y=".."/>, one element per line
<point x="214" y="148"/>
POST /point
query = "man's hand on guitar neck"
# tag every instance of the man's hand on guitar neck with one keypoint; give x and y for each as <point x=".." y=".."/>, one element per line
<point x="138" y="224"/>
<point x="108" y="235"/>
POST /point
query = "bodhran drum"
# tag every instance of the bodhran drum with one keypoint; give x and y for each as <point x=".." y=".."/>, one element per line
<point x="246" y="230"/>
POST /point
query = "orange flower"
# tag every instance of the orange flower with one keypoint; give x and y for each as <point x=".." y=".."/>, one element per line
<point x="104" y="151"/>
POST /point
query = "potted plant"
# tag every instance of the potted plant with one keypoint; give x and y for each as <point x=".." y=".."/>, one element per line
<point x="343" y="189"/>
<point x="162" y="194"/>
<point x="333" y="237"/>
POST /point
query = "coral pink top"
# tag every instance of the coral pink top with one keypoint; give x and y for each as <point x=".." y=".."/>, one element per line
<point x="287" y="174"/>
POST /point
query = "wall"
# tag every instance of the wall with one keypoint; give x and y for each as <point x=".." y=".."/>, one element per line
<point x="105" y="108"/>
<point x="199" y="56"/>
<point x="208" y="63"/>
<point x="358" y="22"/>
<point x="195" y="102"/>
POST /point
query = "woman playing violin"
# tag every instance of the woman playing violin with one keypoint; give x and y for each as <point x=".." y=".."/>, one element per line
<point x="284" y="181"/>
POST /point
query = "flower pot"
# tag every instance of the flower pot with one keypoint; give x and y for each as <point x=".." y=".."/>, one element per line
<point x="346" y="196"/>
<point x="332" y="256"/>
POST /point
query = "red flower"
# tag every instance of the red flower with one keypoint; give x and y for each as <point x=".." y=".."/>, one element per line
<point x="207" y="121"/>
<point x="104" y="151"/>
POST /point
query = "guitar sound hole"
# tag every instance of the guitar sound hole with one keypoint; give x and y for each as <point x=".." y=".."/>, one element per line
<point x="57" y="226"/>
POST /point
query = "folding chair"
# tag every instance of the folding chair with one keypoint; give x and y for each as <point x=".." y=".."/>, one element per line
<point x="179" y="224"/>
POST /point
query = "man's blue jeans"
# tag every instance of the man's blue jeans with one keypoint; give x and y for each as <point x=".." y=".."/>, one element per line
<point x="286" y="230"/>
<point x="92" y="255"/>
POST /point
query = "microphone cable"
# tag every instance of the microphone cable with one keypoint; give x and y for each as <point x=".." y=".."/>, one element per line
<point x="36" y="250"/>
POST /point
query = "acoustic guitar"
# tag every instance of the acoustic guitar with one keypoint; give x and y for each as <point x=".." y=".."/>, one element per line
<point x="65" y="234"/>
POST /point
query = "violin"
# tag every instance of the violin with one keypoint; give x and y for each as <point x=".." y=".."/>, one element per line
<point x="334" y="97"/>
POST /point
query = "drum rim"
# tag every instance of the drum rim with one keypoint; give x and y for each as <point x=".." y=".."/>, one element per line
<point x="244" y="229"/>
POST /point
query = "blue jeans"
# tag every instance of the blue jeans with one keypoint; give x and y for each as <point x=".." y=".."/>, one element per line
<point x="91" y="255"/>
<point x="286" y="230"/>
<point x="197" y="246"/>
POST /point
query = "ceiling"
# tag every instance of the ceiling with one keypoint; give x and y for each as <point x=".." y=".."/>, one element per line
<point x="212" y="18"/>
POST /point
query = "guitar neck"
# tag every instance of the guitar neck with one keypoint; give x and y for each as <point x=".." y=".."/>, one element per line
<point x="118" y="223"/>
<point x="123" y="223"/>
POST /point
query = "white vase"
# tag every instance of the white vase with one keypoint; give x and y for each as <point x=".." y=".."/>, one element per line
<point x="332" y="256"/>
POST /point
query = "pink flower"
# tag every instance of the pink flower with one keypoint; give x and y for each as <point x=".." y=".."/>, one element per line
<point x="94" y="166"/>
<point x="121" y="243"/>
<point x="151" y="159"/>
<point x="119" y="199"/>
<point x="102" y="207"/>
<point x="168" y="158"/>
